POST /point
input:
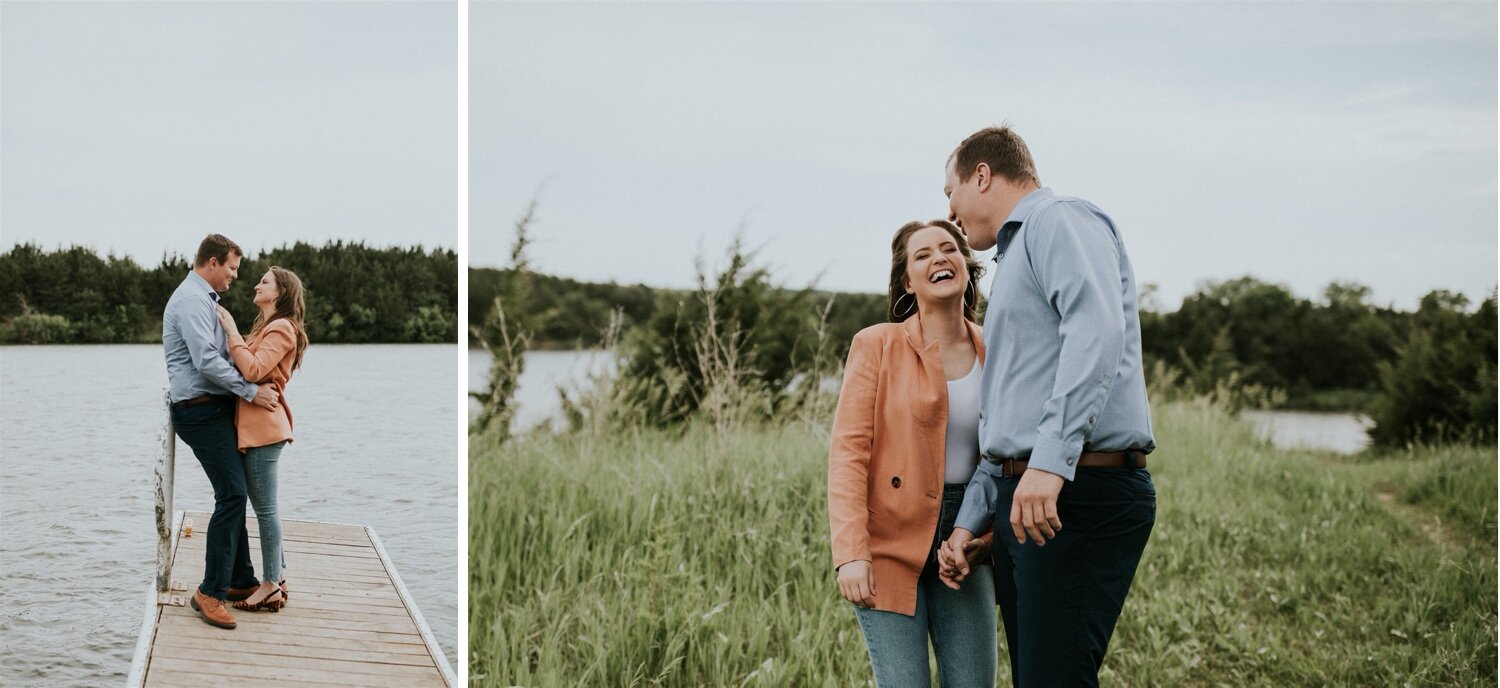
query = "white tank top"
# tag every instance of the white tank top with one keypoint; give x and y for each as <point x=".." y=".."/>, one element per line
<point x="963" y="427"/>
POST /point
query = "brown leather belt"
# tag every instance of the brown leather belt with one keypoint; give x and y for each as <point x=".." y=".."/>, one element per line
<point x="1010" y="468"/>
<point x="199" y="400"/>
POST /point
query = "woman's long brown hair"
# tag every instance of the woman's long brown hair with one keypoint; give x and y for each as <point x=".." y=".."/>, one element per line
<point x="898" y="271"/>
<point x="290" y="306"/>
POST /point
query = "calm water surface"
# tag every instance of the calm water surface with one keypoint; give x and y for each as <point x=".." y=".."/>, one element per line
<point x="537" y="400"/>
<point x="78" y="428"/>
<point x="1344" y="433"/>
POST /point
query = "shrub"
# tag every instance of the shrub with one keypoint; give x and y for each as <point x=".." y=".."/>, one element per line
<point x="36" y="328"/>
<point x="731" y="350"/>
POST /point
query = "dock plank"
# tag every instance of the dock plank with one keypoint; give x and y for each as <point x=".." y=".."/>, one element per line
<point x="348" y="620"/>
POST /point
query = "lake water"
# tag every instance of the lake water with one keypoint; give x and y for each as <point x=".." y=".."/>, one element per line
<point x="537" y="400"/>
<point x="78" y="427"/>
<point x="1338" y="432"/>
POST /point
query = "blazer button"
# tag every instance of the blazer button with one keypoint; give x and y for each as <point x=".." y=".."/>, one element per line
<point x="896" y="481"/>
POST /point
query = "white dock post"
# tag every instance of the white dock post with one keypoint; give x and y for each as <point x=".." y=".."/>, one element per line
<point x="166" y="470"/>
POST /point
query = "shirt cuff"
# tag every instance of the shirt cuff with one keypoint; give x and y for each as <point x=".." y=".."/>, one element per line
<point x="248" y="394"/>
<point x="977" y="515"/>
<point x="1057" y="458"/>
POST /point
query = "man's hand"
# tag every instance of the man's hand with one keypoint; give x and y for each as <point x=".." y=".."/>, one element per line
<point x="953" y="567"/>
<point x="266" y="396"/>
<point x="1033" y="510"/>
<point x="977" y="551"/>
<point x="857" y="583"/>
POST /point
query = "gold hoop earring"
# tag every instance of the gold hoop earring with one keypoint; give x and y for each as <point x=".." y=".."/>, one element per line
<point x="896" y="306"/>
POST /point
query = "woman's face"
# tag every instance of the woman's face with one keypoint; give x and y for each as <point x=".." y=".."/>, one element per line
<point x="267" y="291"/>
<point x="935" y="268"/>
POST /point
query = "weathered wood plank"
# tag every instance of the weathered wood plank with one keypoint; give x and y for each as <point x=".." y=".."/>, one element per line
<point x="336" y="673"/>
<point x="311" y="633"/>
<point x="247" y="652"/>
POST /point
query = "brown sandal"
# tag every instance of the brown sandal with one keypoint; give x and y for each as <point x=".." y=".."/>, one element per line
<point x="268" y="596"/>
<point x="275" y="601"/>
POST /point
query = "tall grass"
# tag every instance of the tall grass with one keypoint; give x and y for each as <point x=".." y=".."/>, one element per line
<point x="701" y="557"/>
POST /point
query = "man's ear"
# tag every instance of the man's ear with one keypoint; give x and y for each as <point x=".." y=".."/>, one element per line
<point x="985" y="176"/>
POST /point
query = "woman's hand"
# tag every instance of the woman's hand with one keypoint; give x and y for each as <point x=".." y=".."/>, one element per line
<point x="953" y="568"/>
<point x="226" y="320"/>
<point x="857" y="583"/>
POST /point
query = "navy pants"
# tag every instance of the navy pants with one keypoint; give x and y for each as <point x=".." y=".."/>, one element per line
<point x="1059" y="603"/>
<point x="208" y="428"/>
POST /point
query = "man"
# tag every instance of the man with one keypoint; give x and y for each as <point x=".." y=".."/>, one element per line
<point x="1064" y="423"/>
<point x="202" y="378"/>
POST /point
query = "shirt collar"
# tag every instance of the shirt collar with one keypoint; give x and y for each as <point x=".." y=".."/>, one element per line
<point x="1028" y="203"/>
<point x="1018" y="215"/>
<point x="196" y="278"/>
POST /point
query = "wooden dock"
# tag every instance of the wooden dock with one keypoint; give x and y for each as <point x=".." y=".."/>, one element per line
<point x="348" y="621"/>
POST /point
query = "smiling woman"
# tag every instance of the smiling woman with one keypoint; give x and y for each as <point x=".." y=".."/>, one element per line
<point x="904" y="433"/>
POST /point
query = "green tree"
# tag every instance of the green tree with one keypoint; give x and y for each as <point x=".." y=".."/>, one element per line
<point x="1442" y="385"/>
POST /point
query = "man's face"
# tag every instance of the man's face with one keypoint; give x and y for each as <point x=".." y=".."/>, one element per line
<point x="221" y="274"/>
<point x="964" y="205"/>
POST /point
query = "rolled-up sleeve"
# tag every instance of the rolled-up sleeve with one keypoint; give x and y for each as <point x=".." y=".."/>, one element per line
<point x="1076" y="260"/>
<point x="977" y="514"/>
<point x="200" y="331"/>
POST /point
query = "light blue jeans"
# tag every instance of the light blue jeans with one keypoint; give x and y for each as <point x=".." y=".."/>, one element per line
<point x="260" y="477"/>
<point x="960" y="623"/>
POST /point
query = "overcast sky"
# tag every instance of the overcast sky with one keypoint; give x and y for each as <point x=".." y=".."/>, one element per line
<point x="139" y="127"/>
<point x="1300" y="143"/>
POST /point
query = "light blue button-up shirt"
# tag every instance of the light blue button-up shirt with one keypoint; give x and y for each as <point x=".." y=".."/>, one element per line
<point x="197" y="349"/>
<point x="1063" y="335"/>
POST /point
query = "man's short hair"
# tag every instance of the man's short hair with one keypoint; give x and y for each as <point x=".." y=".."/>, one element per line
<point x="1000" y="148"/>
<point x="216" y="246"/>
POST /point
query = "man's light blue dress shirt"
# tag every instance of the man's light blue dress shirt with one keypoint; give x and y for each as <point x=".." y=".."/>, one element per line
<point x="1062" y="334"/>
<point x="197" y="349"/>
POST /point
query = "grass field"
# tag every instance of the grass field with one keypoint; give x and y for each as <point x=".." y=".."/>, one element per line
<point x="694" y="558"/>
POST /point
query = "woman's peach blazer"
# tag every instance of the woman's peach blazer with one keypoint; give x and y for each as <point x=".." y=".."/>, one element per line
<point x="265" y="358"/>
<point x="885" y="459"/>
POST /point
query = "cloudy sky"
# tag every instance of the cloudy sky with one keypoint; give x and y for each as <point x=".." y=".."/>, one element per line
<point x="138" y="127"/>
<point x="1300" y="143"/>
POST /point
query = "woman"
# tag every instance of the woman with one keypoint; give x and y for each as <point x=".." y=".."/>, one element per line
<point x="904" y="445"/>
<point x="277" y="341"/>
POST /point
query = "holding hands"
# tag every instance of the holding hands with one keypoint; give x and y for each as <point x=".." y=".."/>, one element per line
<point x="959" y="554"/>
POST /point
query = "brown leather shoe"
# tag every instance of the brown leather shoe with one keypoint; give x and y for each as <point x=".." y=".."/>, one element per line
<point x="237" y="594"/>
<point x="212" y="609"/>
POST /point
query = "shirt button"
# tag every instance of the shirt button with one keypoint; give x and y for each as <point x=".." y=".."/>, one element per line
<point x="1091" y="420"/>
<point x="1070" y="461"/>
<point x="896" y="482"/>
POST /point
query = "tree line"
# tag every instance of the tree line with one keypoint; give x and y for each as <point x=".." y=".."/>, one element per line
<point x="355" y="293"/>
<point x="1425" y="376"/>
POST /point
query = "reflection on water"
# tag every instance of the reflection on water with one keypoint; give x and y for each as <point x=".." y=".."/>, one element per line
<point x="78" y="429"/>
<point x="1344" y="433"/>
